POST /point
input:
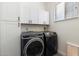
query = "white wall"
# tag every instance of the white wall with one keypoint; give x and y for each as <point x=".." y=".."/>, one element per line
<point x="67" y="30"/>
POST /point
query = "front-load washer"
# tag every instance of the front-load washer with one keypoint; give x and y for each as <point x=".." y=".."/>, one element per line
<point x="32" y="44"/>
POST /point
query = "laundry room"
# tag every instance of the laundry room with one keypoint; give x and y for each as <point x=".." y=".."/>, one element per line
<point x="39" y="29"/>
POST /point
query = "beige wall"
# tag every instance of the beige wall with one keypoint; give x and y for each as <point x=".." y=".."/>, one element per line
<point x="67" y="30"/>
<point x="25" y="28"/>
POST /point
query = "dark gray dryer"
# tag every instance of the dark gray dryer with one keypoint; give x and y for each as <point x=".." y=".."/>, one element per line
<point x="51" y="43"/>
<point x="32" y="44"/>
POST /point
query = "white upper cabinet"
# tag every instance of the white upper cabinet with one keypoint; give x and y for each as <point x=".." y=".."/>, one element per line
<point x="24" y="13"/>
<point x="43" y="17"/>
<point x="27" y="11"/>
<point x="30" y="14"/>
<point x="34" y="16"/>
<point x="9" y="11"/>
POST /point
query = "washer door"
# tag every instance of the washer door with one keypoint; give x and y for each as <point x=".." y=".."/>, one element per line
<point x="34" y="47"/>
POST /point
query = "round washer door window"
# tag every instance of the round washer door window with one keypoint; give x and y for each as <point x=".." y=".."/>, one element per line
<point x="34" y="47"/>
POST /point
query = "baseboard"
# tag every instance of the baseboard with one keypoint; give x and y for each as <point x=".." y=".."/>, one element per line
<point x="62" y="53"/>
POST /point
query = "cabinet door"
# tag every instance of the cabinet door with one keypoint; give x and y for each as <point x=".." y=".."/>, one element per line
<point x="28" y="13"/>
<point x="10" y="39"/>
<point x="43" y="17"/>
<point x="34" y="15"/>
<point x="24" y="12"/>
<point x="9" y="11"/>
<point x="34" y="12"/>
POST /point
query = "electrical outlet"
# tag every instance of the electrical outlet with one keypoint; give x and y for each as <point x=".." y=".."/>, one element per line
<point x="26" y="29"/>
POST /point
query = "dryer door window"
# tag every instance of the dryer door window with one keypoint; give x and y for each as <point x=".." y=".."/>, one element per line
<point x="34" y="47"/>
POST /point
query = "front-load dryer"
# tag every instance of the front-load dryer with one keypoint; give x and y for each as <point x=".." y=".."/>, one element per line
<point x="32" y="44"/>
<point x="51" y="43"/>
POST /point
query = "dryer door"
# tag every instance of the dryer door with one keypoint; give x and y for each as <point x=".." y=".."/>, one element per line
<point x="34" y="47"/>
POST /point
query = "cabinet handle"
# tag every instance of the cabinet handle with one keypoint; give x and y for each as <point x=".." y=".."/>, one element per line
<point x="30" y="21"/>
<point x="18" y="21"/>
